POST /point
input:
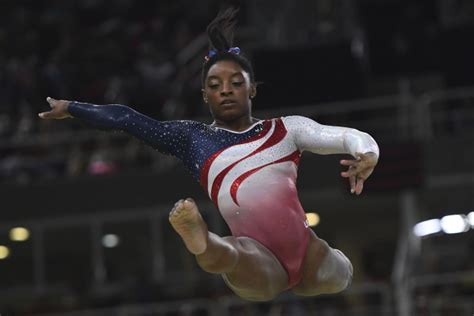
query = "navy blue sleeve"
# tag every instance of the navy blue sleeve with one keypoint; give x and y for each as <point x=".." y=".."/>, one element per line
<point x="169" y="137"/>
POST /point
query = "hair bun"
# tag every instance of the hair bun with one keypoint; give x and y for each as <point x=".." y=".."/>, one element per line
<point x="221" y="30"/>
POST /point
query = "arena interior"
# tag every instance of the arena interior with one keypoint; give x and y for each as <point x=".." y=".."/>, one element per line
<point x="84" y="213"/>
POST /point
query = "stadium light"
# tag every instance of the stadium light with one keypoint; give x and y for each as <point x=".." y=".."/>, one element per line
<point x="313" y="219"/>
<point x="4" y="252"/>
<point x="454" y="224"/>
<point x="110" y="241"/>
<point x="428" y="227"/>
<point x="470" y="219"/>
<point x="19" y="234"/>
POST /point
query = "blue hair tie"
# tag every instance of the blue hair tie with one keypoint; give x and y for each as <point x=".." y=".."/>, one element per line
<point x="213" y="52"/>
<point x="234" y="50"/>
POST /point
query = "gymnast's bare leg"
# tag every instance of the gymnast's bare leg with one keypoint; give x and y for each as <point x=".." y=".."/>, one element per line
<point x="248" y="268"/>
<point x="325" y="270"/>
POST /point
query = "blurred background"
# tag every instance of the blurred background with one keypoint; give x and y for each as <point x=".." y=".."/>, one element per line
<point x="83" y="213"/>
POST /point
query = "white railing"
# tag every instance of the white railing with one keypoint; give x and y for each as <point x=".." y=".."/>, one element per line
<point x="408" y="284"/>
<point x="403" y="117"/>
<point x="233" y="306"/>
<point x="436" y="302"/>
<point x="433" y="305"/>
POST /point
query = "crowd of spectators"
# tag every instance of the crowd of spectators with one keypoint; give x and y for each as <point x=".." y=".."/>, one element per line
<point x="123" y="52"/>
<point x="127" y="52"/>
<point x="97" y="51"/>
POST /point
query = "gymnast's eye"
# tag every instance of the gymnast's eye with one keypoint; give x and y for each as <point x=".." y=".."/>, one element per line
<point x="237" y="83"/>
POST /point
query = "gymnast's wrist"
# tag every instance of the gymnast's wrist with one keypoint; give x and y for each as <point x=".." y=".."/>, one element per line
<point x="372" y="155"/>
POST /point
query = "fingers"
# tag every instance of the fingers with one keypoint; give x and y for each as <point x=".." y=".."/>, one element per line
<point x="353" y="164"/>
<point x="359" y="186"/>
<point x="352" y="175"/>
<point x="359" y="170"/>
<point x="356" y="179"/>
<point x="44" y="115"/>
<point x="47" y="115"/>
<point x="345" y="162"/>
<point x="352" y="171"/>
<point x="51" y="101"/>
<point x="357" y="166"/>
<point x="352" y="182"/>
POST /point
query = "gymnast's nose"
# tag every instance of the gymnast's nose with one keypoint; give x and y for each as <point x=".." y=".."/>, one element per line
<point x="226" y="89"/>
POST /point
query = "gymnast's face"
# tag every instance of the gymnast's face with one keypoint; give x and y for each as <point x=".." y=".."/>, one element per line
<point x="228" y="91"/>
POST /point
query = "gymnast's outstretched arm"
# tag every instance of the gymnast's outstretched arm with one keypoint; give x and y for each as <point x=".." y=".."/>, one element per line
<point x="323" y="139"/>
<point x="167" y="136"/>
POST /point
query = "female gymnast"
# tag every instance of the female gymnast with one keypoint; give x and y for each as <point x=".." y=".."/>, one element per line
<point x="248" y="167"/>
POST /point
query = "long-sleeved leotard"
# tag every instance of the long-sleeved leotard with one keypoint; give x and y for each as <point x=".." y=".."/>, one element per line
<point x="249" y="175"/>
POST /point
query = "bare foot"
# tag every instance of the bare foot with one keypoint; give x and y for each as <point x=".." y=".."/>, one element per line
<point x="188" y="223"/>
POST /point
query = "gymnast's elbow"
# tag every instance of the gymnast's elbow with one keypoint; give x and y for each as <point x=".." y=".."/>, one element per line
<point x="370" y="145"/>
<point x="358" y="142"/>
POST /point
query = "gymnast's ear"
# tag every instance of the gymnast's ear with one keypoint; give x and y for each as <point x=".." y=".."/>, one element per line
<point x="253" y="90"/>
<point x="204" y="96"/>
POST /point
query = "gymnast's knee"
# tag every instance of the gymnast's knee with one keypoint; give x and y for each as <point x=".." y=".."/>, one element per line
<point x="336" y="274"/>
<point x="333" y="276"/>
<point x="337" y="285"/>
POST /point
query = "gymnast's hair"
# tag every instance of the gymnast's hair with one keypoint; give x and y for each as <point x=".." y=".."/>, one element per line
<point x="221" y="36"/>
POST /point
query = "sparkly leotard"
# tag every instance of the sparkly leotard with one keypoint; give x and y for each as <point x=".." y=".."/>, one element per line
<point x="249" y="175"/>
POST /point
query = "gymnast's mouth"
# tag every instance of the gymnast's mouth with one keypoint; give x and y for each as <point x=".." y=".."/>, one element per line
<point x="228" y="102"/>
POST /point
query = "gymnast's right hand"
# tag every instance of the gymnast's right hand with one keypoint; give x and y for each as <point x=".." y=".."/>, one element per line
<point x="58" y="109"/>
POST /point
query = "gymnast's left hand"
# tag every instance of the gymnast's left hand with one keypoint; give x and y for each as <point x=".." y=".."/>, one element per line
<point x="359" y="170"/>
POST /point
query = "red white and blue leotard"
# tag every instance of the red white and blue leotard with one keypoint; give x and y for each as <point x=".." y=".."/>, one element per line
<point x="250" y="175"/>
